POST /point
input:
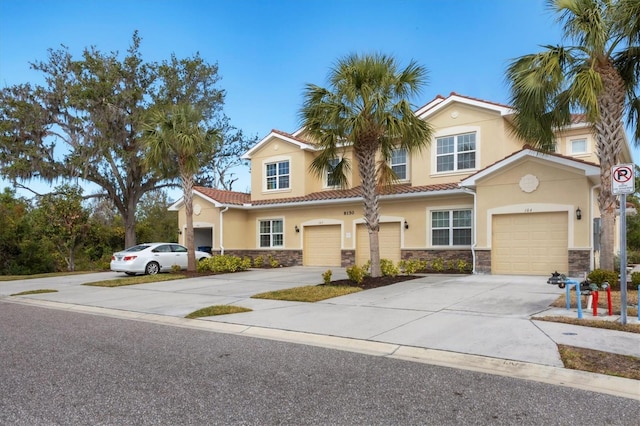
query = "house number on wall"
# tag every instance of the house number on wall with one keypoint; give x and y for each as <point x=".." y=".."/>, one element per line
<point x="349" y="212"/>
<point x="528" y="210"/>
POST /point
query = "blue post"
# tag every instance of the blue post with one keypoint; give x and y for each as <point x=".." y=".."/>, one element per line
<point x="576" y="284"/>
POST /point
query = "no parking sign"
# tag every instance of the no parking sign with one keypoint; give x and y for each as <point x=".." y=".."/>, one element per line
<point x="622" y="181"/>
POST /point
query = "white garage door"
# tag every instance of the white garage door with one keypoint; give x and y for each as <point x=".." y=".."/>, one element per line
<point x="530" y="244"/>
<point x="389" y="239"/>
<point x="322" y="246"/>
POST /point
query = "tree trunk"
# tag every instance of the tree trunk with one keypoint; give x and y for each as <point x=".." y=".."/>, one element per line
<point x="71" y="260"/>
<point x="609" y="141"/>
<point x="187" y="188"/>
<point x="129" y="219"/>
<point x="367" y="168"/>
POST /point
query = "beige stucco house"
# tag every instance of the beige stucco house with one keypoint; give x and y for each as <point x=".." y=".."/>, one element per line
<point x="477" y="194"/>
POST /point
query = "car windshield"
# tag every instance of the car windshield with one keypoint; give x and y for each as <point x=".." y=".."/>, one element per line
<point x="139" y="247"/>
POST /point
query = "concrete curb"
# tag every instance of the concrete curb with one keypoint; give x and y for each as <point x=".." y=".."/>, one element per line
<point x="616" y="386"/>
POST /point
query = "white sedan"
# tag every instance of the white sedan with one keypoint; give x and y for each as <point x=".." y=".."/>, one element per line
<point x="151" y="258"/>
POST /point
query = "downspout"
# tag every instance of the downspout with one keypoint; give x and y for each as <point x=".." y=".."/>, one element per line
<point x="222" y="230"/>
<point x="591" y="216"/>
<point x="475" y="228"/>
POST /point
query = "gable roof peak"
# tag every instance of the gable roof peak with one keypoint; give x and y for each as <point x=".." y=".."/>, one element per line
<point x="287" y="137"/>
<point x="440" y="102"/>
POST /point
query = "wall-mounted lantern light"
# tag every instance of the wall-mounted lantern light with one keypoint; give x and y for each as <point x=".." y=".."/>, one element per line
<point x="578" y="213"/>
<point x="406" y="225"/>
<point x="297" y="229"/>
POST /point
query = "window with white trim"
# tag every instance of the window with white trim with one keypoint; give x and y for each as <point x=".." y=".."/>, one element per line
<point x="271" y="233"/>
<point x="331" y="178"/>
<point x="457" y="152"/>
<point x="277" y="175"/>
<point x="451" y="227"/>
<point x="579" y="146"/>
<point x="399" y="163"/>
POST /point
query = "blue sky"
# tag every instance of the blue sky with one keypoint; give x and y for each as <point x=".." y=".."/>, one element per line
<point x="268" y="50"/>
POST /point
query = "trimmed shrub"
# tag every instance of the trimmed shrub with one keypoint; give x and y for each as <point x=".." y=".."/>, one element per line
<point x="635" y="279"/>
<point x="598" y="276"/>
<point x="224" y="263"/>
<point x="388" y="269"/>
<point x="356" y="273"/>
<point x="273" y="262"/>
<point x="412" y="266"/>
<point x="438" y="264"/>
<point x="258" y="262"/>
<point x="463" y="266"/>
<point x="326" y="276"/>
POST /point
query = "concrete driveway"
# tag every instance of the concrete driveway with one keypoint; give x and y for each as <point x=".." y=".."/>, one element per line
<point x="484" y="315"/>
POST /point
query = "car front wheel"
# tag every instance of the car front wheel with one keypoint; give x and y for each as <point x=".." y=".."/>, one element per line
<point x="152" y="268"/>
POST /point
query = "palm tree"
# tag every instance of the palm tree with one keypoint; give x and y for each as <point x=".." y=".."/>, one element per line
<point x="597" y="76"/>
<point x="365" y="109"/>
<point x="175" y="142"/>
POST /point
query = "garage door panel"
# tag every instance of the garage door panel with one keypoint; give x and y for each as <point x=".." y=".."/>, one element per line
<point x="388" y="238"/>
<point x="535" y="243"/>
<point x="322" y="246"/>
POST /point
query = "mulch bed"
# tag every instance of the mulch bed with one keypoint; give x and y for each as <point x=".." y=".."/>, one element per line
<point x="370" y="282"/>
<point x="367" y="283"/>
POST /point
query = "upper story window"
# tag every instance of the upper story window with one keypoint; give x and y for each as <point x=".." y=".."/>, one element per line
<point x="456" y="152"/>
<point x="579" y="146"/>
<point x="451" y="228"/>
<point x="331" y="179"/>
<point x="277" y="175"/>
<point x="399" y="163"/>
<point x="271" y="233"/>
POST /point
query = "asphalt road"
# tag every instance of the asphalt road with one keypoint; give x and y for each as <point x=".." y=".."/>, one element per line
<point x="58" y="367"/>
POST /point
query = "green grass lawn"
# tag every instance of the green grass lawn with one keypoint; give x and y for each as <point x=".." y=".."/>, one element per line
<point x="309" y="293"/>
<point x="211" y="311"/>
<point x="41" y="291"/>
<point x="48" y="275"/>
<point x="138" y="279"/>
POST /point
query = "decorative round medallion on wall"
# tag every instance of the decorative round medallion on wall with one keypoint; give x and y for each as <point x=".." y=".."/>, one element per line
<point x="529" y="183"/>
<point x="454" y="114"/>
<point x="197" y="208"/>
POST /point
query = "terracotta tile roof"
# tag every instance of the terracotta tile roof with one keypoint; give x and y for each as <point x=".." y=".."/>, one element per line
<point x="225" y="197"/>
<point x="243" y="199"/>
<point x="578" y="118"/>
<point x="528" y="147"/>
<point x="555" y="154"/>
<point x="462" y="96"/>
<point x="343" y="194"/>
<point x="289" y="135"/>
<point x="480" y="100"/>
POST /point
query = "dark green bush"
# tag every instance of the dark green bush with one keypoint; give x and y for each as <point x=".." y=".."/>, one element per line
<point x="598" y="276"/>
<point x="224" y="263"/>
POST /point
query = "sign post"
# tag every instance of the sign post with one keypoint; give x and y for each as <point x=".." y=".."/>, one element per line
<point x="623" y="183"/>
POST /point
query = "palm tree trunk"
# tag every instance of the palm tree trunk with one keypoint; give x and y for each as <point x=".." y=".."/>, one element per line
<point x="367" y="168"/>
<point x="187" y="188"/>
<point x="609" y="142"/>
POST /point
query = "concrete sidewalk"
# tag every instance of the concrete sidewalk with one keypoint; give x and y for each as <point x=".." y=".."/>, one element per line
<point x="485" y="318"/>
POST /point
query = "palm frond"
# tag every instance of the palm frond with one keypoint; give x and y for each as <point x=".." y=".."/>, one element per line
<point x="633" y="119"/>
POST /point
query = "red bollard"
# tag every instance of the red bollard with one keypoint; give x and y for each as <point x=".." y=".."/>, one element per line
<point x="609" y="300"/>
<point x="594" y="294"/>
